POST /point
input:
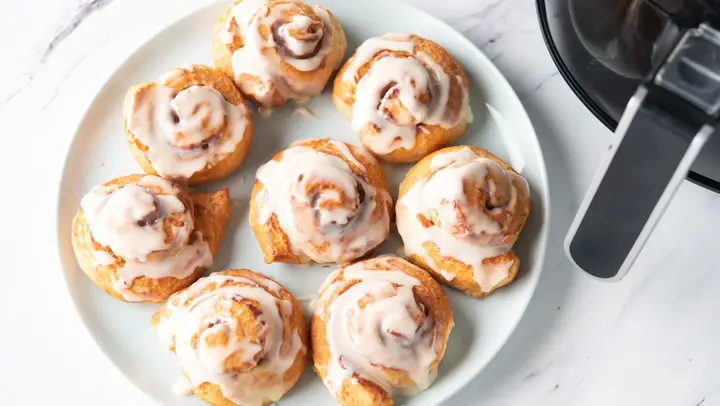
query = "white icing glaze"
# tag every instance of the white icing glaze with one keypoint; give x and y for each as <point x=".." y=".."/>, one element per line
<point x="181" y="264"/>
<point x="129" y="220"/>
<point x="371" y="47"/>
<point x="303" y="42"/>
<point x="198" y="313"/>
<point x="387" y="95"/>
<point x="391" y="329"/>
<point x="331" y="216"/>
<point x="440" y="161"/>
<point x="461" y="231"/>
<point x="188" y="130"/>
<point x="345" y="151"/>
<point x="113" y="214"/>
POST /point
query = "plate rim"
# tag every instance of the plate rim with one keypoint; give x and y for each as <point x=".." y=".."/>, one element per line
<point x="131" y="44"/>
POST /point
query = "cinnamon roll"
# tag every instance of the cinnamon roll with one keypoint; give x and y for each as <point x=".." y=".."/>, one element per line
<point x="240" y="338"/>
<point x="459" y="213"/>
<point x="405" y="96"/>
<point x="320" y="200"/>
<point x="380" y="327"/>
<point x="191" y="124"/>
<point x="141" y="238"/>
<point x="278" y="50"/>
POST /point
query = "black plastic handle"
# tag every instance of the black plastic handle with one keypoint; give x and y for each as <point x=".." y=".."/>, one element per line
<point x="650" y="158"/>
<point x="663" y="129"/>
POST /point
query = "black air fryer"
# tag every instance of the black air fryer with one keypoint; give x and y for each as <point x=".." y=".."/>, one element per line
<point x="650" y="71"/>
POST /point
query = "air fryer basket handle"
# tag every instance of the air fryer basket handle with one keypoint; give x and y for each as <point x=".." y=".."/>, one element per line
<point x="643" y="169"/>
<point x="663" y="129"/>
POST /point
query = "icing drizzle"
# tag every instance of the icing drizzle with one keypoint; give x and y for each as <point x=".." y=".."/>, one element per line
<point x="277" y="34"/>
<point x="326" y="207"/>
<point x="148" y="231"/>
<point x="465" y="207"/>
<point x="399" y="93"/>
<point x="230" y="331"/>
<point x="185" y="131"/>
<point x="375" y="324"/>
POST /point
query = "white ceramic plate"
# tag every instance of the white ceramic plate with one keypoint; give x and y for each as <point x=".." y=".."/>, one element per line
<point x="99" y="153"/>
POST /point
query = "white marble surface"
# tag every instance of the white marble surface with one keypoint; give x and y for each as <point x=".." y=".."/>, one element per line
<point x="651" y="339"/>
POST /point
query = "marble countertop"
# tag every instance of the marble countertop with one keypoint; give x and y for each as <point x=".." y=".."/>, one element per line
<point x="651" y="339"/>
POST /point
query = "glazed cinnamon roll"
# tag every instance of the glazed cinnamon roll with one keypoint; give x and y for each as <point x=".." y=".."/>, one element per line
<point x="459" y="212"/>
<point x="320" y="200"/>
<point x="405" y="96"/>
<point x="141" y="238"/>
<point x="278" y="50"/>
<point x="191" y="124"/>
<point x="380" y="327"/>
<point x="240" y="338"/>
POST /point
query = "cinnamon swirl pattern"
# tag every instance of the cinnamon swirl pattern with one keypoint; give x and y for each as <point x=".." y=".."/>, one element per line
<point x="141" y="238"/>
<point x="459" y="212"/>
<point x="278" y="50"/>
<point x="320" y="200"/>
<point x="380" y="327"/>
<point x="240" y="338"/>
<point x="405" y="96"/>
<point x="192" y="124"/>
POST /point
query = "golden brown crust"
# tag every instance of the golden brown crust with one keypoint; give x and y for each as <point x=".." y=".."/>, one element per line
<point x="367" y="392"/>
<point x="199" y="75"/>
<point x="464" y="279"/>
<point x="223" y="54"/>
<point x="429" y="138"/>
<point x="211" y="393"/>
<point x="272" y="239"/>
<point x="211" y="213"/>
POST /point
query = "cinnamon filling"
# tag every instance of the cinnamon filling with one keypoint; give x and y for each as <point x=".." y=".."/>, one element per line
<point x="204" y="144"/>
<point x="150" y="218"/>
<point x="314" y="33"/>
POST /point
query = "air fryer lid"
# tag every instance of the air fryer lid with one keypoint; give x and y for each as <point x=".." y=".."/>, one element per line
<point x="667" y="124"/>
<point x="603" y="49"/>
<point x="627" y="35"/>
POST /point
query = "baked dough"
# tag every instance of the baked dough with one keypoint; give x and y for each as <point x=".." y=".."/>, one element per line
<point x="122" y="264"/>
<point x="240" y="337"/>
<point x="380" y="327"/>
<point x="192" y="124"/>
<point x="405" y="96"/>
<point x="278" y="50"/>
<point x="320" y="200"/>
<point x="459" y="212"/>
